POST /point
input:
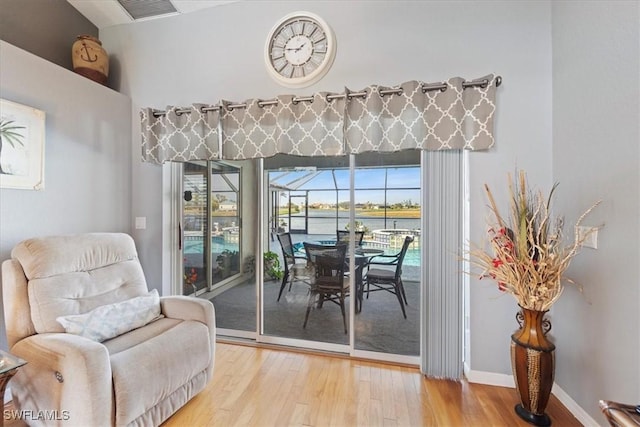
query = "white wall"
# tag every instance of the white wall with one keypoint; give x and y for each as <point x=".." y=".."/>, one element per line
<point x="218" y="54"/>
<point x="87" y="154"/>
<point x="596" y="155"/>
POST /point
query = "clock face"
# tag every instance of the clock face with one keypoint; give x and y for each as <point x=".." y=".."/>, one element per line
<point x="300" y="50"/>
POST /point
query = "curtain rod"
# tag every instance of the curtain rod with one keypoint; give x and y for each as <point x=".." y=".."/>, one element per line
<point x="425" y="88"/>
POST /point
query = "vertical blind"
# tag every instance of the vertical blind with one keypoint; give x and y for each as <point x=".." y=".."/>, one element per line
<point x="456" y="114"/>
<point x="442" y="303"/>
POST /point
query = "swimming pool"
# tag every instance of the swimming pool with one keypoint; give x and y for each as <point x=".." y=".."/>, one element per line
<point x="411" y="258"/>
<point x="195" y="246"/>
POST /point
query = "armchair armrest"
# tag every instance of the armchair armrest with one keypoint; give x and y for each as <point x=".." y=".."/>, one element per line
<point x="190" y="308"/>
<point x="67" y="373"/>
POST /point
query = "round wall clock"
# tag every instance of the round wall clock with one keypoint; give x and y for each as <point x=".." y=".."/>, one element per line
<point x="300" y="49"/>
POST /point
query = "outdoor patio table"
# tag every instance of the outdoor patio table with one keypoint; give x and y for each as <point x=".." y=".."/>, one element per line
<point x="363" y="255"/>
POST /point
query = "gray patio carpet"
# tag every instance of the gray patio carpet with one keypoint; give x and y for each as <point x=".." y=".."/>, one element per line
<point x="379" y="327"/>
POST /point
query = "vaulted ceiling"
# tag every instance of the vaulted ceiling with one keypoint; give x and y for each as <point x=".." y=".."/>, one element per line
<point x="106" y="13"/>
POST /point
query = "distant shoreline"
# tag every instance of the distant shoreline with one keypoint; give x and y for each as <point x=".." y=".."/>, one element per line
<point x="374" y="213"/>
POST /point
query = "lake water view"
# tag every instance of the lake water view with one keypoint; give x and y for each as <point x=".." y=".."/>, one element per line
<point x="323" y="221"/>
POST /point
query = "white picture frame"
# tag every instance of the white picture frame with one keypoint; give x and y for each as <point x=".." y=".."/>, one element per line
<point x="21" y="146"/>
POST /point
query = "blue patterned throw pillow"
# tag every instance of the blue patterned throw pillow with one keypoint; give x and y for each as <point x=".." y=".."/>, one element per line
<point x="111" y="320"/>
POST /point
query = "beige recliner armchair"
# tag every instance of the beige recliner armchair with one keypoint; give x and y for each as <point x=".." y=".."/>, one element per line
<point x="101" y="349"/>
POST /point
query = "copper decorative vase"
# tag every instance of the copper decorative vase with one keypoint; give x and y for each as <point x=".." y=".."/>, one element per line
<point x="90" y="59"/>
<point x="533" y="363"/>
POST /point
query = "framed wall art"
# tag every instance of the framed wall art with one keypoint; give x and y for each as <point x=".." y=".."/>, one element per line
<point x="21" y="146"/>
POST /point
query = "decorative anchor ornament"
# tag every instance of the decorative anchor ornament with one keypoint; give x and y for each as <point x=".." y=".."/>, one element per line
<point x="86" y="50"/>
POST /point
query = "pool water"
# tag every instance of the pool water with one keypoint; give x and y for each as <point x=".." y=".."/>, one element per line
<point x="412" y="258"/>
<point x="217" y="247"/>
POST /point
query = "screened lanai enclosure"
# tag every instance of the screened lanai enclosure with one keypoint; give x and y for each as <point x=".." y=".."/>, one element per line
<point x="312" y="201"/>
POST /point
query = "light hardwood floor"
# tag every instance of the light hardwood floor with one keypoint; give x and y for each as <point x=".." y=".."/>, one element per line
<point x="266" y="387"/>
<point x="271" y="387"/>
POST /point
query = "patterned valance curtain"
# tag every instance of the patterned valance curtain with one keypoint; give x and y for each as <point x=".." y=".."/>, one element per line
<point x="414" y="117"/>
<point x="180" y="134"/>
<point x="312" y="127"/>
<point x="455" y="114"/>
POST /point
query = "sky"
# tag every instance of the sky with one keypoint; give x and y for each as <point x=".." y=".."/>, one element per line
<point x="402" y="183"/>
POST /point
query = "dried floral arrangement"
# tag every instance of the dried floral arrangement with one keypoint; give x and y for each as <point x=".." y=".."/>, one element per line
<point x="528" y="256"/>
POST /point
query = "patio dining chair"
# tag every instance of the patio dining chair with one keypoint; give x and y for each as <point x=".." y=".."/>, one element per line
<point x="386" y="275"/>
<point x="327" y="281"/>
<point x="294" y="265"/>
<point x="344" y="236"/>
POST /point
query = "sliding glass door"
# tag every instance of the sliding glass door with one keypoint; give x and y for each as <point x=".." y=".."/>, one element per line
<point x="308" y="192"/>
<point x="211" y="225"/>
<point x="388" y="209"/>
<point x="218" y="239"/>
<point x="381" y="201"/>
<point x="235" y="212"/>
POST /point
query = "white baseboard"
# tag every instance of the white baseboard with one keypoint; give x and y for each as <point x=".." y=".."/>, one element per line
<point x="489" y="378"/>
<point x="503" y="380"/>
<point x="573" y="407"/>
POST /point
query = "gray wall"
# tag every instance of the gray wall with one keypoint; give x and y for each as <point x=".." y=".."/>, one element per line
<point x="87" y="154"/>
<point x="46" y="28"/>
<point x="218" y="54"/>
<point x="596" y="155"/>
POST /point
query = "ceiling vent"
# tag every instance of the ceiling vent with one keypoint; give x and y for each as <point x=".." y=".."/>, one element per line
<point x="141" y="9"/>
